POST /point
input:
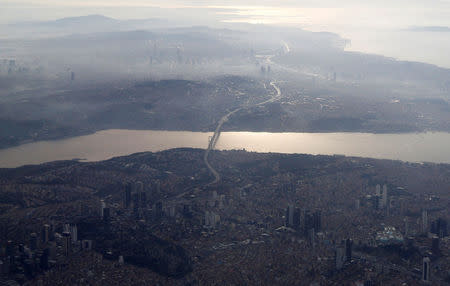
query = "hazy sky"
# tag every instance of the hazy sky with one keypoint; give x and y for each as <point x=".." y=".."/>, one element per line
<point x="376" y="26"/>
<point x="374" y="12"/>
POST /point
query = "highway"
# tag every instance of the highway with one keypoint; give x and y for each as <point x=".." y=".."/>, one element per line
<point x="215" y="138"/>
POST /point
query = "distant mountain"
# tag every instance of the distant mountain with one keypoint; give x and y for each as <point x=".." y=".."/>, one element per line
<point x="100" y="20"/>
<point x="83" y="20"/>
<point x="430" y="29"/>
<point x="81" y="25"/>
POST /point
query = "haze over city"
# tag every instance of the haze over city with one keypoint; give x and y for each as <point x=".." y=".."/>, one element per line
<point x="407" y="30"/>
<point x="224" y="142"/>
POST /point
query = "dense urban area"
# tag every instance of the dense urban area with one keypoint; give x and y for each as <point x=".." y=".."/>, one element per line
<point x="156" y="219"/>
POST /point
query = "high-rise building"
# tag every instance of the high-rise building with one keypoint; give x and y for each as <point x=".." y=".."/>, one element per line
<point x="211" y="219"/>
<point x="297" y="218"/>
<point x="406" y="232"/>
<point x="106" y="214"/>
<point x="384" y="197"/>
<point x="439" y="227"/>
<point x="102" y="207"/>
<point x="74" y="233"/>
<point x="139" y="187"/>
<point x="187" y="211"/>
<point x="67" y="243"/>
<point x="66" y="227"/>
<point x="378" y="190"/>
<point x="290" y="215"/>
<point x="308" y="220"/>
<point x="86" y="244"/>
<point x="143" y="199"/>
<point x="424" y="221"/>
<point x="127" y="196"/>
<point x="340" y="257"/>
<point x="43" y="259"/>
<point x="426" y="269"/>
<point x="312" y="237"/>
<point x="348" y="249"/>
<point x="373" y="201"/>
<point x="317" y="221"/>
<point x="45" y="234"/>
<point x="33" y="241"/>
<point x="357" y="204"/>
<point x="435" y="246"/>
<point x="157" y="210"/>
<point x="135" y="198"/>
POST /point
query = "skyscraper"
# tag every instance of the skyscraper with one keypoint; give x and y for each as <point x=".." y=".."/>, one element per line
<point x="143" y="199"/>
<point x="297" y="218"/>
<point x="348" y="249"/>
<point x="102" y="207"/>
<point x="357" y="204"/>
<point x="406" y="221"/>
<point x="67" y="244"/>
<point x="340" y="257"/>
<point x="312" y="237"/>
<point x="384" y="197"/>
<point x="290" y="215"/>
<point x="33" y="241"/>
<point x="74" y="233"/>
<point x="378" y="190"/>
<point x="317" y="221"/>
<point x="106" y="214"/>
<point x="435" y="246"/>
<point x="424" y="221"/>
<point x="308" y="222"/>
<point x="127" y="196"/>
<point x="45" y="235"/>
<point x="426" y="269"/>
<point x="439" y="227"/>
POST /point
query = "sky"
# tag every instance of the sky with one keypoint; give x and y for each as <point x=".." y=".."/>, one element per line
<point x="376" y="26"/>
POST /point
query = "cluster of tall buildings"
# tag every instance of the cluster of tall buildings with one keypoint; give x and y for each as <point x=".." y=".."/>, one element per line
<point x="381" y="195"/>
<point x="211" y="219"/>
<point x="135" y="198"/>
<point x="343" y="253"/>
<point x="44" y="250"/>
<point x="304" y="221"/>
